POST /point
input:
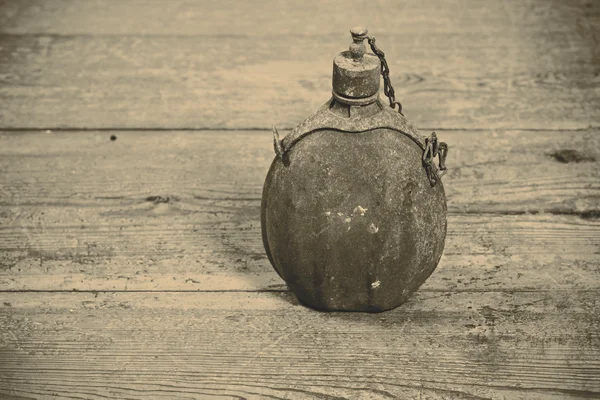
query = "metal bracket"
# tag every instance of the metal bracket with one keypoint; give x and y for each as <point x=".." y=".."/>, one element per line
<point x="433" y="149"/>
<point x="278" y="143"/>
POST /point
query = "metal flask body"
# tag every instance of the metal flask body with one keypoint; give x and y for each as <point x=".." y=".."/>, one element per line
<point x="352" y="217"/>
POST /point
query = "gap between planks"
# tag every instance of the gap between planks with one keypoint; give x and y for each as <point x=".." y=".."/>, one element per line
<point x="175" y="211"/>
<point x="263" y="129"/>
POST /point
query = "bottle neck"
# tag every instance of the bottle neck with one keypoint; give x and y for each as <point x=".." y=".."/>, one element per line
<point x="360" y="101"/>
<point x="345" y="110"/>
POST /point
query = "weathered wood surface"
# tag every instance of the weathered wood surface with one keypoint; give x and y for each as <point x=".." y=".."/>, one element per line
<point x="180" y="211"/>
<point x="489" y="171"/>
<point x="102" y="242"/>
<point x="232" y="17"/>
<point x="482" y="253"/>
<point x="468" y="64"/>
<point x="533" y="345"/>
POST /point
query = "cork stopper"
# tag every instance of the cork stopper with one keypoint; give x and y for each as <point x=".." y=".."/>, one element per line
<point x="356" y="72"/>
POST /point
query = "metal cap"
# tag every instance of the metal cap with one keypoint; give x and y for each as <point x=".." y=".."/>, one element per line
<point x="356" y="72"/>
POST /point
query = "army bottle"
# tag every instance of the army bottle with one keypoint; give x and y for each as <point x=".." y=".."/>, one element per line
<point x="353" y="210"/>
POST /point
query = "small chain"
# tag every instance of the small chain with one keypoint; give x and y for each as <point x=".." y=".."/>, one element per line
<point x="388" y="90"/>
<point x="433" y="149"/>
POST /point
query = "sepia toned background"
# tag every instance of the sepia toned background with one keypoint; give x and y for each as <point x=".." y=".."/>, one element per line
<point x="134" y="142"/>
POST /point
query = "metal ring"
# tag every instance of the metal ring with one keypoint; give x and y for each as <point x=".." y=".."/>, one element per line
<point x="355" y="102"/>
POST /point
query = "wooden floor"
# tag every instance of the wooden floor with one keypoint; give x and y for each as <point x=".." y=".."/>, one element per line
<point x="133" y="268"/>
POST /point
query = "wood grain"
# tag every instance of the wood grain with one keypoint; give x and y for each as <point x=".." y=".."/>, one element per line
<point x="180" y="211"/>
<point x="231" y="17"/>
<point x="483" y="252"/>
<point x="147" y="248"/>
<point x="489" y="171"/>
<point x="536" y="345"/>
<point x="502" y="67"/>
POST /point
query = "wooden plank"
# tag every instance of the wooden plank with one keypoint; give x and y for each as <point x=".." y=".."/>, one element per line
<point x="180" y="211"/>
<point x="186" y="82"/>
<point x="489" y="171"/>
<point x="529" y="66"/>
<point x="146" y="252"/>
<point x="272" y="17"/>
<point x="252" y="345"/>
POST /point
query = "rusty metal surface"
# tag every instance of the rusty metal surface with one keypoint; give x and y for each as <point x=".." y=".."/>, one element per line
<point x="433" y="149"/>
<point x="351" y="222"/>
<point x="326" y="117"/>
<point x="353" y="212"/>
<point x="355" y="78"/>
<point x="356" y="73"/>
